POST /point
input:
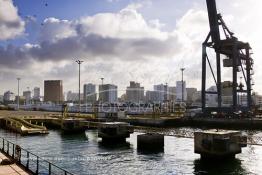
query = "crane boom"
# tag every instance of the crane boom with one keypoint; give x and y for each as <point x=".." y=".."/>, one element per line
<point x="213" y="21"/>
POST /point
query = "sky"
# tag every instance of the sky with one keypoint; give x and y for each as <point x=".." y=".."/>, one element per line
<point x="147" y="41"/>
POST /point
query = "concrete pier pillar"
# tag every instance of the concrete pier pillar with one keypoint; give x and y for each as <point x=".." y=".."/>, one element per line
<point x="213" y="144"/>
<point x="150" y="142"/>
<point x="114" y="131"/>
<point x="72" y="126"/>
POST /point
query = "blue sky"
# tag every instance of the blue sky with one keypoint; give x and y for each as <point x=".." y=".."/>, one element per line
<point x="68" y="9"/>
<point x="121" y="40"/>
<point x="72" y="9"/>
<point x="62" y="9"/>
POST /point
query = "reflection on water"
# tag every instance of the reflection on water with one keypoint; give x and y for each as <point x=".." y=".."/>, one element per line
<point x="79" y="136"/>
<point x="231" y="166"/>
<point x="114" y="146"/>
<point x="150" y="152"/>
<point x="86" y="154"/>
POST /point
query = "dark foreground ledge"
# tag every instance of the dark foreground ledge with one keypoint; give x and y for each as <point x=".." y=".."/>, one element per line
<point x="199" y="122"/>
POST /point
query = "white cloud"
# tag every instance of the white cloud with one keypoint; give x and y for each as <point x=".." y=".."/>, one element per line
<point x="242" y="18"/>
<point x="125" y="41"/>
<point x="128" y="23"/>
<point x="193" y="25"/>
<point x="125" y="35"/>
<point x="125" y="46"/>
<point x="112" y="1"/>
<point x="55" y="29"/>
<point x="155" y="23"/>
<point x="11" y="25"/>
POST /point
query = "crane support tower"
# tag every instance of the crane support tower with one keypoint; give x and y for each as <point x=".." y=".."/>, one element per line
<point x="237" y="56"/>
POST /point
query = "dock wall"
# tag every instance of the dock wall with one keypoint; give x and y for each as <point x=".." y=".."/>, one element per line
<point x="200" y="122"/>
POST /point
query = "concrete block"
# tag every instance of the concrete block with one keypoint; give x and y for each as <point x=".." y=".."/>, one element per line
<point x="150" y="142"/>
<point x="218" y="144"/>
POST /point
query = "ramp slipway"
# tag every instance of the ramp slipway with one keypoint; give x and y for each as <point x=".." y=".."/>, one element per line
<point x="23" y="127"/>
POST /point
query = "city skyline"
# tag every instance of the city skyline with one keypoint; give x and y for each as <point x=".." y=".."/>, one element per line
<point x="146" y="44"/>
<point x="133" y="93"/>
<point x="122" y="91"/>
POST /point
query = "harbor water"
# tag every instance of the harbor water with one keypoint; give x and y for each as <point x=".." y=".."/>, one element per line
<point x="85" y="154"/>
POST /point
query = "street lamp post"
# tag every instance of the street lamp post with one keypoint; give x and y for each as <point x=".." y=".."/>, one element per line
<point x="27" y="99"/>
<point x="166" y="93"/>
<point x="102" y="90"/>
<point x="101" y="93"/>
<point x="102" y="79"/>
<point x="18" y="97"/>
<point x="182" y="70"/>
<point x="79" y="62"/>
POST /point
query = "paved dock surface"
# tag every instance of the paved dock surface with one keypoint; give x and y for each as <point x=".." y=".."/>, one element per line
<point x="12" y="169"/>
<point x="4" y="113"/>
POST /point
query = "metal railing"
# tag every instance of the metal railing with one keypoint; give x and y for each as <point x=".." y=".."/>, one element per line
<point x="31" y="162"/>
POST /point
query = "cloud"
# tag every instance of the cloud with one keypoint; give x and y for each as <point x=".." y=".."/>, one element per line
<point x="115" y="45"/>
<point x="246" y="26"/>
<point x="112" y="1"/>
<point x="125" y="46"/>
<point x="54" y="29"/>
<point x="128" y="23"/>
<point x="193" y="25"/>
<point x="11" y="25"/>
<point x="30" y="19"/>
<point x="130" y="37"/>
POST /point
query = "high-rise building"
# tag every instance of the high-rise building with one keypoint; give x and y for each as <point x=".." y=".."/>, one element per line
<point x="227" y="91"/>
<point x="90" y="93"/>
<point x="22" y="99"/>
<point x="227" y="97"/>
<point x="135" y="93"/>
<point x="162" y="92"/>
<point x="152" y="97"/>
<point x="72" y="96"/>
<point x="9" y="96"/>
<point x="181" y="89"/>
<point x="123" y="98"/>
<point x="190" y="93"/>
<point x="108" y="93"/>
<point x="196" y="98"/>
<point x="53" y="91"/>
<point x="227" y="88"/>
<point x="257" y="99"/>
<point x="36" y="93"/>
<point x="172" y="93"/>
<point x="1" y="98"/>
<point x="27" y="95"/>
<point x="211" y="99"/>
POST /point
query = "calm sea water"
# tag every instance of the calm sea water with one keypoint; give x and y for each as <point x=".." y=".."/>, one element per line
<point x="85" y="154"/>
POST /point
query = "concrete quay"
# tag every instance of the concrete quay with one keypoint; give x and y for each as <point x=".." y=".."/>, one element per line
<point x="52" y="119"/>
<point x="49" y="119"/>
<point x="12" y="169"/>
<point x="197" y="122"/>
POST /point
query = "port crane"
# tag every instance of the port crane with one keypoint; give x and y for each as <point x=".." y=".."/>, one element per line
<point x="237" y="57"/>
